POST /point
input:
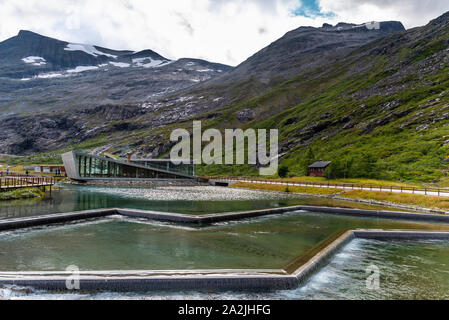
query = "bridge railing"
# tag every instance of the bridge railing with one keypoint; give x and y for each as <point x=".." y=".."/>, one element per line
<point x="13" y="180"/>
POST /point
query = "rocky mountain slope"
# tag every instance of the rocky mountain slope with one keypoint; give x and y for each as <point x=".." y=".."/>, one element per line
<point x="347" y="92"/>
<point x="297" y="52"/>
<point x="40" y="73"/>
<point x="41" y="81"/>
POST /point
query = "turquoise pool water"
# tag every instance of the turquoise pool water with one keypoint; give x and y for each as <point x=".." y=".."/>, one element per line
<point x="125" y="244"/>
<point x="190" y="200"/>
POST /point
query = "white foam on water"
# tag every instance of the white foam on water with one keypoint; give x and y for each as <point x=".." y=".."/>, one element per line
<point x="154" y="223"/>
<point x="25" y="232"/>
<point x="255" y="219"/>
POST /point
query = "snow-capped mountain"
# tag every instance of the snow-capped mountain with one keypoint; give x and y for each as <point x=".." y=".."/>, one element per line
<point x="30" y="55"/>
<point x="59" y="74"/>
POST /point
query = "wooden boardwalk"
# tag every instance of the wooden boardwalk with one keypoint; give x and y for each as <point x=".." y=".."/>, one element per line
<point x="12" y="180"/>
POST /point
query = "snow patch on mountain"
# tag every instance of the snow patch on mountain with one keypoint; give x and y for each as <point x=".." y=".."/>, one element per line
<point x="82" y="69"/>
<point x="148" y="62"/>
<point x="120" y="64"/>
<point x="49" y="75"/>
<point x="35" y="61"/>
<point x="64" y="74"/>
<point x="87" y="48"/>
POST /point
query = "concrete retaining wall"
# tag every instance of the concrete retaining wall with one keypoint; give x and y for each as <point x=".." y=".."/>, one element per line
<point x="21" y="223"/>
<point x="323" y="257"/>
<point x="133" y="284"/>
<point x="380" y="214"/>
<point x="201" y="220"/>
<point x="234" y="216"/>
<point x="400" y="235"/>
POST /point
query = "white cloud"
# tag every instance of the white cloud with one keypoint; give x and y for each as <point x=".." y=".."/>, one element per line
<point x="411" y="13"/>
<point x="226" y="31"/>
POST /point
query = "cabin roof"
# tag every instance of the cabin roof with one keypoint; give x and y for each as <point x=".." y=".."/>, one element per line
<point x="320" y="164"/>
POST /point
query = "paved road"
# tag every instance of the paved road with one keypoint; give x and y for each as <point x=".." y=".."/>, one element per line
<point x="432" y="192"/>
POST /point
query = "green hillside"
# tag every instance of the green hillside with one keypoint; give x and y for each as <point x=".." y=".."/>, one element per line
<point x="382" y="112"/>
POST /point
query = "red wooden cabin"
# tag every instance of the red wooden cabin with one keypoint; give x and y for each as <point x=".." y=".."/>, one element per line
<point x="317" y="169"/>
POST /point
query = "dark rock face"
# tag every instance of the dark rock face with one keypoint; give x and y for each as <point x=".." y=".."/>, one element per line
<point x="22" y="146"/>
<point x="311" y="130"/>
<point x="290" y="121"/>
<point x="27" y="134"/>
<point x="245" y="115"/>
<point x="125" y="126"/>
<point x="114" y="112"/>
<point x="391" y="27"/>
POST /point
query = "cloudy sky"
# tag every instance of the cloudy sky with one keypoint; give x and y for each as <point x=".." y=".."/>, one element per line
<point x="226" y="31"/>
